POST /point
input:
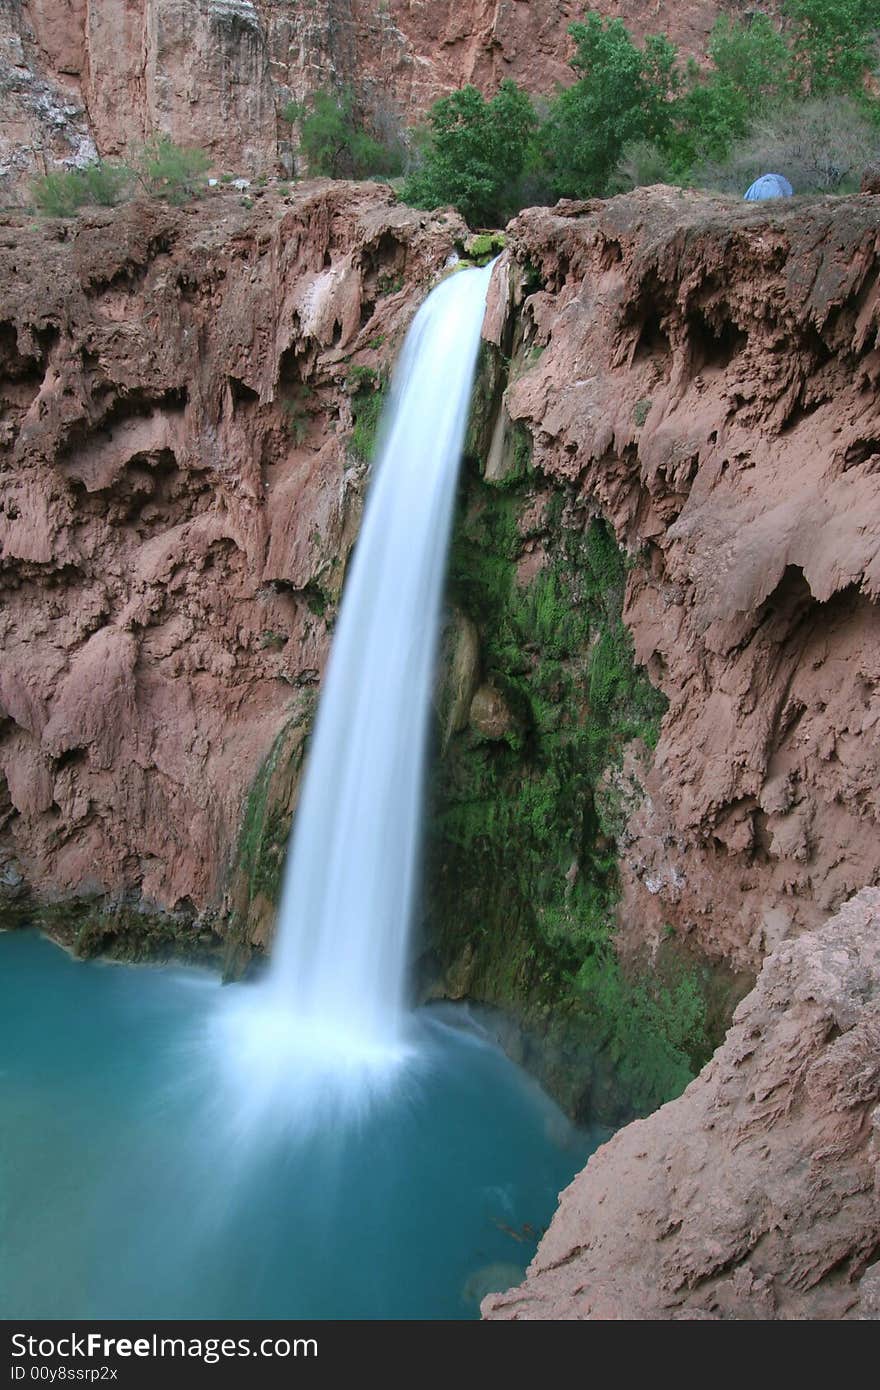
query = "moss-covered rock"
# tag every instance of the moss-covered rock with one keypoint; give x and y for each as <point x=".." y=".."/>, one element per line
<point x="482" y="247"/>
<point x="521" y="888"/>
<point x="131" y="931"/>
<point x="255" y="883"/>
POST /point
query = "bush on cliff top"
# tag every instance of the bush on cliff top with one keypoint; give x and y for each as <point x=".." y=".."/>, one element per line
<point x="162" y="168"/>
<point x="822" y="144"/>
<point x="101" y="184"/>
<point x="474" y="153"/>
<point x="334" y="142"/>
<point x="171" y="171"/>
<point x="637" y="113"/>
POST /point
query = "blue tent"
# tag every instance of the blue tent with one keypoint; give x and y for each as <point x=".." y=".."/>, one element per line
<point x="769" y="186"/>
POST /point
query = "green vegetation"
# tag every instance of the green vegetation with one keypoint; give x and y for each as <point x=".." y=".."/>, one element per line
<point x="833" y="43"/>
<point x="474" y="153"/>
<point x="623" y="93"/>
<point x="265" y="826"/>
<point x="162" y="169"/>
<point x="482" y="247"/>
<point x="170" y="171"/>
<point x="638" y="113"/>
<point x="793" y="92"/>
<point x="522" y="860"/>
<point x="334" y="141"/>
<point x="368" y="389"/>
<point x="102" y="184"/>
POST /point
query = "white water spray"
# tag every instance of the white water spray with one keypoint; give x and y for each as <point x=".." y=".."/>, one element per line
<point x="335" y="996"/>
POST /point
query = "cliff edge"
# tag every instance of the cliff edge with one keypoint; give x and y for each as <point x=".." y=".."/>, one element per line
<point x="756" y="1194"/>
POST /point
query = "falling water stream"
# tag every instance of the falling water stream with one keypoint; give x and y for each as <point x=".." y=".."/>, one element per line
<point x="304" y="1145"/>
<point x="341" y="953"/>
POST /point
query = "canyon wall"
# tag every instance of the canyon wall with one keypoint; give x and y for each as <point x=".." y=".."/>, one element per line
<point x="657" y="713"/>
<point x="87" y="77"/>
<point x="707" y="378"/>
<point x="178" y="500"/>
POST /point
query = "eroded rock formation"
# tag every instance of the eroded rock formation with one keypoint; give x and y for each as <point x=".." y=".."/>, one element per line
<point x="178" y="500"/>
<point x="756" y="1194"/>
<point x="708" y="378"/>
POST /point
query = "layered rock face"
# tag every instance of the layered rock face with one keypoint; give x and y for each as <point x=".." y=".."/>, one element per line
<point x="756" y="1194"/>
<point x="178" y="500"/>
<point x="708" y="378"/>
<point x="100" y="75"/>
<point x="186" y="395"/>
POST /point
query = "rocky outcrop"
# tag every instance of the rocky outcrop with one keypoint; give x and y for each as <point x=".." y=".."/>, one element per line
<point x="44" y="124"/>
<point x="756" y="1194"/>
<point x="178" y="495"/>
<point x="707" y="378"/>
<point x="218" y="73"/>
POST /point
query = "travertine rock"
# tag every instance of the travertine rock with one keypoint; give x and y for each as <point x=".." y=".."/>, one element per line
<point x="756" y="1194"/>
<point x="710" y="379"/>
<point x="177" y="502"/>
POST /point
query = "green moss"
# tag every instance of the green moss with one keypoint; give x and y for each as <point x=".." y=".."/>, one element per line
<point x="125" y="931"/>
<point x="264" y="831"/>
<point x="522" y="868"/>
<point x="368" y="391"/>
<point x="483" y="247"/>
<point x="641" y="410"/>
<point x="317" y="598"/>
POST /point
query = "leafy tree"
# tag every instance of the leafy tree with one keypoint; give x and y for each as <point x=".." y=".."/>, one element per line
<point x="334" y="142"/>
<point x="624" y="94"/>
<point x="832" y="42"/>
<point x="474" y="153"/>
<point x="750" y="72"/>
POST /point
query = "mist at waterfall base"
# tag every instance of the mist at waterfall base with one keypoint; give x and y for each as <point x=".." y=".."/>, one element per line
<point x="303" y="1146"/>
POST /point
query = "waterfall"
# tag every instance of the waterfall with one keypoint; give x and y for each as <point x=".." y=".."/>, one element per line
<point x="337" y="984"/>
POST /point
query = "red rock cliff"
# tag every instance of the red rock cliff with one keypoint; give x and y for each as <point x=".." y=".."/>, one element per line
<point x="177" y="504"/>
<point x="87" y="76"/>
<point x="708" y="376"/>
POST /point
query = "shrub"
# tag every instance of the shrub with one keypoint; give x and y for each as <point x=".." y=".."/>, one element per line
<point x="58" y="195"/>
<point x="474" y="153"/>
<point x="106" y="184"/>
<point x="62" y="194"/>
<point x="643" y="163"/>
<point x="334" y="141"/>
<point x="172" y="171"/>
<point x="821" y="146"/>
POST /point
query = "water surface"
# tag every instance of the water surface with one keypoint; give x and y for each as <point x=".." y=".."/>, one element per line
<point x="133" y="1183"/>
